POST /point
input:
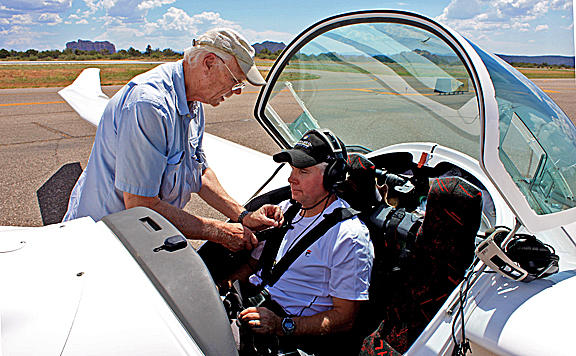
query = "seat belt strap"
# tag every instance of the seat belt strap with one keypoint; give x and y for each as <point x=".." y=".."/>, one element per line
<point x="275" y="237"/>
<point x="330" y="220"/>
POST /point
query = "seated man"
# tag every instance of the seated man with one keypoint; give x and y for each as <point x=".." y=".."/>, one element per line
<point x="322" y="289"/>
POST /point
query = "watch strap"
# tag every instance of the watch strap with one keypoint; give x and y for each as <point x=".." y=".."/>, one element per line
<point x="242" y="216"/>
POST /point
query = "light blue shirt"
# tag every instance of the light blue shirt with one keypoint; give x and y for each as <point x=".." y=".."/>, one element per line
<point x="148" y="143"/>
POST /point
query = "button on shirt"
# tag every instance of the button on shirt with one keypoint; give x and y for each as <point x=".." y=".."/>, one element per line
<point x="148" y="143"/>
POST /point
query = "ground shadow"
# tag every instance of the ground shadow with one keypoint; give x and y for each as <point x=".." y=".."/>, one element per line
<point x="54" y="194"/>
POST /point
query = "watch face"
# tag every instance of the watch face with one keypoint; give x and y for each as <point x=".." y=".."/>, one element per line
<point x="288" y="325"/>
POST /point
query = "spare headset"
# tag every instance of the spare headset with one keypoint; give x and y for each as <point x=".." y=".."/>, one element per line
<point x="520" y="257"/>
<point x="335" y="173"/>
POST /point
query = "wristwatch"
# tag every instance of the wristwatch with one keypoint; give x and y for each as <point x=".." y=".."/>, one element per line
<point x="242" y="215"/>
<point x="288" y="326"/>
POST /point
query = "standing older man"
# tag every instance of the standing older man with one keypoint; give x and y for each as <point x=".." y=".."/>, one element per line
<point x="148" y="146"/>
<point x="320" y="291"/>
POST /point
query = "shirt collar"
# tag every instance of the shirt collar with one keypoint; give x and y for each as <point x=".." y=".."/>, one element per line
<point x="180" y="89"/>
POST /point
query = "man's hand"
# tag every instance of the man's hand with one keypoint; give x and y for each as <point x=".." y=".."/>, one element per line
<point x="236" y="237"/>
<point x="262" y="320"/>
<point x="267" y="215"/>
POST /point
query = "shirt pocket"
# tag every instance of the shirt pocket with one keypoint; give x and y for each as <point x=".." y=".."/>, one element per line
<point x="172" y="178"/>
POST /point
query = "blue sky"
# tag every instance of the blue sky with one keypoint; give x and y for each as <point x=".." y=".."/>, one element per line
<point x="520" y="27"/>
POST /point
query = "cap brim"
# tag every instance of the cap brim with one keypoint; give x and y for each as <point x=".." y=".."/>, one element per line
<point x="249" y="69"/>
<point x="296" y="158"/>
<point x="254" y="77"/>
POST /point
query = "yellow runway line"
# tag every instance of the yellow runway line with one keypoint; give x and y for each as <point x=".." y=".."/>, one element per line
<point x="40" y="103"/>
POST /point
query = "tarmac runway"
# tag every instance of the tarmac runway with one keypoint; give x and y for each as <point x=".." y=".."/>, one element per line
<point x="41" y="135"/>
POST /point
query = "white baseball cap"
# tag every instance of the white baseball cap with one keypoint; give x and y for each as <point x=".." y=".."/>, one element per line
<point x="231" y="42"/>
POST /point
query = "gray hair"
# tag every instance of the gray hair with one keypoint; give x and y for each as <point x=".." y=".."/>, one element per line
<point x="191" y="54"/>
<point x="321" y="167"/>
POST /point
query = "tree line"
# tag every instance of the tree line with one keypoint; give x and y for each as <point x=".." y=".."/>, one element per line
<point x="540" y="65"/>
<point x="131" y="53"/>
<point x="76" y="54"/>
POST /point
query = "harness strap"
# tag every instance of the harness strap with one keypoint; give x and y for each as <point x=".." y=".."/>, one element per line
<point x="275" y="236"/>
<point x="271" y="274"/>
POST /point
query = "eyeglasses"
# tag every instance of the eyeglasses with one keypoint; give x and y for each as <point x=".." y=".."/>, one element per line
<point x="239" y="84"/>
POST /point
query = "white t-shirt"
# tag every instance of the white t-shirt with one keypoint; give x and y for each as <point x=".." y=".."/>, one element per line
<point x="337" y="265"/>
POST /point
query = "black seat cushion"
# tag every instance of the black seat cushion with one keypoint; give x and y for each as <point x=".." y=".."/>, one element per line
<point x="410" y="296"/>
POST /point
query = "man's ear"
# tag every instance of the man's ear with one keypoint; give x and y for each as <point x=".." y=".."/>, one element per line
<point x="209" y="61"/>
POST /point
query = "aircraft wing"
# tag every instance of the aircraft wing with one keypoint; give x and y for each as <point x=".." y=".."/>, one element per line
<point x="85" y="96"/>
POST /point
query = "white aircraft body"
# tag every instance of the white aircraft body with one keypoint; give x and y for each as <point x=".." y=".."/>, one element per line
<point x="414" y="97"/>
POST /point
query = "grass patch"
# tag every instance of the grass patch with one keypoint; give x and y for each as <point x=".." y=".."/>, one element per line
<point x="292" y="76"/>
<point x="61" y="75"/>
<point x="263" y="62"/>
<point x="545" y="73"/>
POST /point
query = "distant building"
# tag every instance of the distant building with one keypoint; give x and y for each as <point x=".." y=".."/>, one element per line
<point x="92" y="46"/>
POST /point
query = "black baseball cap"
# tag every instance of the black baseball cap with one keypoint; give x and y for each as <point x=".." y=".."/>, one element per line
<point x="309" y="151"/>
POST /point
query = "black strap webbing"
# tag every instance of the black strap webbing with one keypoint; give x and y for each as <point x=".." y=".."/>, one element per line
<point x="271" y="274"/>
<point x="275" y="236"/>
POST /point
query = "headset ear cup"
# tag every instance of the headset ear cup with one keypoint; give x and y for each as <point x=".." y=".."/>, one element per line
<point x="334" y="175"/>
<point x="532" y="255"/>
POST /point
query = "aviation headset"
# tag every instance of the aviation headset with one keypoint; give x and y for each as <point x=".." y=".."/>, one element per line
<point x="520" y="257"/>
<point x="335" y="173"/>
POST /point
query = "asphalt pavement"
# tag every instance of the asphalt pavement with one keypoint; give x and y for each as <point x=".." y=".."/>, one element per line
<point x="43" y="136"/>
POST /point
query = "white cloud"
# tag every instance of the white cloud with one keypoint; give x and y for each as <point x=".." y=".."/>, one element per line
<point x="521" y="26"/>
<point x="463" y="9"/>
<point x="175" y="29"/>
<point x="111" y="21"/>
<point x="19" y="42"/>
<point x="49" y="19"/>
<point x="150" y="4"/>
<point x="501" y="26"/>
<point x="39" y="6"/>
<point x="474" y="16"/>
<point x="82" y="22"/>
<point x="150" y="28"/>
<point x="127" y="11"/>
<point x="95" y="5"/>
<point x="177" y="22"/>
<point x="22" y="19"/>
<point x="561" y="5"/>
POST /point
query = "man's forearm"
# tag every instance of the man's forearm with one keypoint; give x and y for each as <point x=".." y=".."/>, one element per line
<point x="338" y="319"/>
<point x="214" y="194"/>
<point x="191" y="226"/>
<point x="327" y="322"/>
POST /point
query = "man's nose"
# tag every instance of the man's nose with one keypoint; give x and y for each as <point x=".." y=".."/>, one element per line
<point x="291" y="178"/>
